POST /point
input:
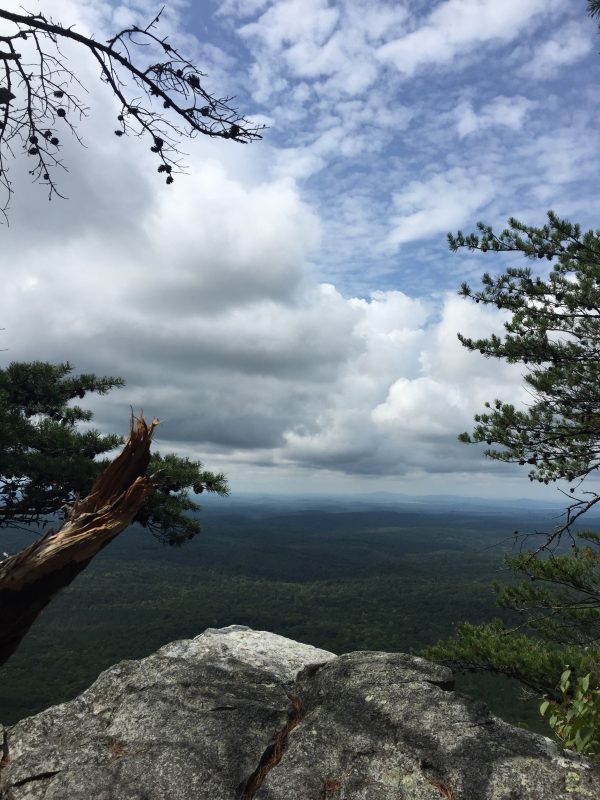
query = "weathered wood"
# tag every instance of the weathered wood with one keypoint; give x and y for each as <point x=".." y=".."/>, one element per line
<point x="30" y="579"/>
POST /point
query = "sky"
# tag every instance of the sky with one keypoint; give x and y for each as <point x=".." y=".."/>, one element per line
<point x="289" y="309"/>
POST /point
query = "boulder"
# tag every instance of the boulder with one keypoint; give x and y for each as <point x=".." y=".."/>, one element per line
<point x="237" y="714"/>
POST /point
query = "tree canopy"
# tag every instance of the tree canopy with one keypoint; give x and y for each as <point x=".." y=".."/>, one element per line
<point x="50" y="455"/>
<point x="553" y="329"/>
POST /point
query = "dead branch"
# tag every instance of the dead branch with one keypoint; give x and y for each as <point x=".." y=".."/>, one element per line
<point x="30" y="579"/>
<point x="161" y="97"/>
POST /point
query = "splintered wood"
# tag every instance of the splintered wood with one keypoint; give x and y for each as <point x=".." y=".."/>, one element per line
<point x="31" y="578"/>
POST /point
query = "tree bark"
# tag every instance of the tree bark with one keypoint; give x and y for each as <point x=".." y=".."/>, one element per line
<point x="30" y="579"/>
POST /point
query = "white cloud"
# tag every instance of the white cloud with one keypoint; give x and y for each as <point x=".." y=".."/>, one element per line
<point x="333" y="43"/>
<point x="394" y="413"/>
<point x="242" y="8"/>
<point x="225" y="300"/>
<point x="439" y="203"/>
<point x="455" y="27"/>
<point x="570" y="44"/>
<point x="228" y="243"/>
<point x="291" y="22"/>
<point x="561" y="156"/>
<point x="509" y="112"/>
<point x="423" y="407"/>
<point x="385" y="311"/>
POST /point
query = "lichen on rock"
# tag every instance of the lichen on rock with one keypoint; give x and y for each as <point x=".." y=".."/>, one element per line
<point x="237" y="714"/>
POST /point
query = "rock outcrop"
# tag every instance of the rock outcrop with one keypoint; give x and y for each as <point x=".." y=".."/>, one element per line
<point x="236" y="714"/>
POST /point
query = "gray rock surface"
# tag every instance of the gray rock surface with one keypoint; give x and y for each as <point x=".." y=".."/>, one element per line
<point x="236" y="714"/>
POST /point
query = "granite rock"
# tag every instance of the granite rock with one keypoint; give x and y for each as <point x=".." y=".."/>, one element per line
<point x="237" y="714"/>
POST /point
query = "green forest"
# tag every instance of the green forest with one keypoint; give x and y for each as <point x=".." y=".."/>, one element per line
<point x="394" y="579"/>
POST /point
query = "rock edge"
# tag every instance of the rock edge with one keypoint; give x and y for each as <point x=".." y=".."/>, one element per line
<point x="238" y="714"/>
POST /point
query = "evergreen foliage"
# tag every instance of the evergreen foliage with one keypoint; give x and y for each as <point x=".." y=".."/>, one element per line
<point x="559" y="603"/>
<point x="47" y="459"/>
<point x="553" y="329"/>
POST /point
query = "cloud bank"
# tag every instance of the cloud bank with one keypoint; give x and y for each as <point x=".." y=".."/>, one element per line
<point x="289" y="309"/>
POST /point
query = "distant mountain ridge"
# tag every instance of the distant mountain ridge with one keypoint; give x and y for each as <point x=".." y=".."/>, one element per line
<point x="389" y="500"/>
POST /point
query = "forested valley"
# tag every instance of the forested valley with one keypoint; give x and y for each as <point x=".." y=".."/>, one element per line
<point x="342" y="575"/>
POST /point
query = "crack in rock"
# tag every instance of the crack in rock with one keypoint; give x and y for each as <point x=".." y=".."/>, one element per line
<point x="41" y="776"/>
<point x="274" y="752"/>
<point x="5" y="760"/>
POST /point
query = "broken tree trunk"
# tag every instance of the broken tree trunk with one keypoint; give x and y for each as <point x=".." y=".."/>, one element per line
<point x="30" y="579"/>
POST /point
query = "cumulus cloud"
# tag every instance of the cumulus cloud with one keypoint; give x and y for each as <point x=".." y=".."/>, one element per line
<point x="228" y="244"/>
<point x="303" y="376"/>
<point x="402" y="411"/>
<point x="258" y="306"/>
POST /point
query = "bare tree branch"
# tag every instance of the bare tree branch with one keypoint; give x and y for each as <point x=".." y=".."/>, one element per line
<point x="163" y="98"/>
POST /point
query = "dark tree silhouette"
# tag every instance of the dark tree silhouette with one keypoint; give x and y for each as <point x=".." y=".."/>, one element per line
<point x="160" y="92"/>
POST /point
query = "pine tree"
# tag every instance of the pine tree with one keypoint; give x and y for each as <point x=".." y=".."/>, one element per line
<point x="47" y="459"/>
<point x="558" y="622"/>
<point x="554" y="331"/>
